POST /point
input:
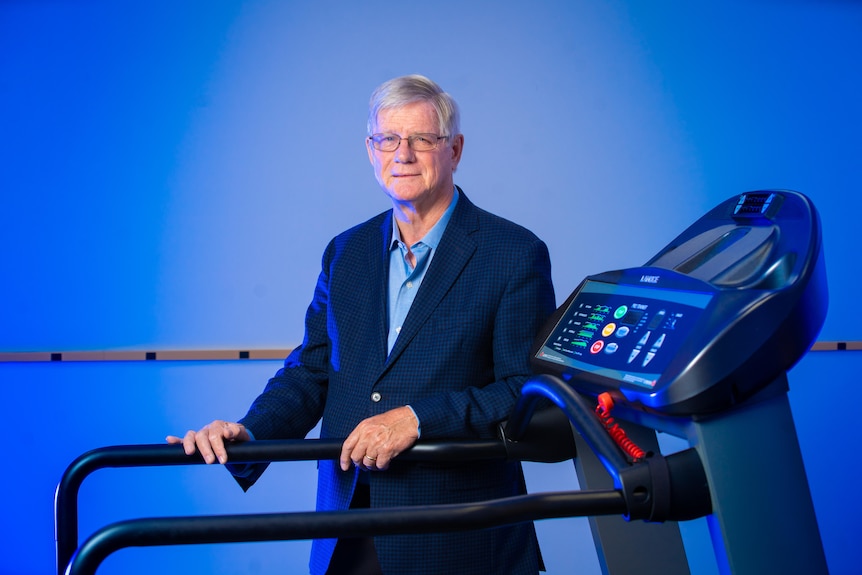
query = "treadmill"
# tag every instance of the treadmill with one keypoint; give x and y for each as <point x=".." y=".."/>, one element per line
<point x="696" y="344"/>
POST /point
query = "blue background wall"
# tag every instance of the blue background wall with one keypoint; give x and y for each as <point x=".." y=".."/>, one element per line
<point x="170" y="175"/>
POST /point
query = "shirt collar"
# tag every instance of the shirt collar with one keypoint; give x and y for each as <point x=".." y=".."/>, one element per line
<point x="432" y="238"/>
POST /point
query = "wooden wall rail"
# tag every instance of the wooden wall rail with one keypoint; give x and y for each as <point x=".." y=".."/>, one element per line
<point x="160" y="355"/>
<point x="235" y="354"/>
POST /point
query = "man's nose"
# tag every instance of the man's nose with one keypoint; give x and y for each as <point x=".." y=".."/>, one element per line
<point x="404" y="153"/>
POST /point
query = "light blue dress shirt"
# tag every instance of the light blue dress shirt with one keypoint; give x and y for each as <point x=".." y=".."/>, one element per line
<point x="404" y="281"/>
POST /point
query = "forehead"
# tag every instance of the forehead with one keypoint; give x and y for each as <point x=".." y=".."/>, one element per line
<point x="410" y="118"/>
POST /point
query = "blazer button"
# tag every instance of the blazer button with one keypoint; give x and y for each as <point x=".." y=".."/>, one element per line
<point x="375" y="397"/>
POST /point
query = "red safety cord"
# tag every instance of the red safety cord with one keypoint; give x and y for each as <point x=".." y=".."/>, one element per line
<point x="603" y="410"/>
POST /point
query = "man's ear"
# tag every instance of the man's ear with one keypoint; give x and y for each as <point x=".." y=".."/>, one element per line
<point x="457" y="148"/>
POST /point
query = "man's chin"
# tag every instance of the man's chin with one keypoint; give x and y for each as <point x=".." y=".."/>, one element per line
<point x="405" y="193"/>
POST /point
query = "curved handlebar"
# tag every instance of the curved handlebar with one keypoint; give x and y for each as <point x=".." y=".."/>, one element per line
<point x="310" y="524"/>
<point x="66" y="496"/>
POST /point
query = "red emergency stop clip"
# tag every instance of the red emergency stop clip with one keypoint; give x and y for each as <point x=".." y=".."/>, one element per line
<point x="617" y="433"/>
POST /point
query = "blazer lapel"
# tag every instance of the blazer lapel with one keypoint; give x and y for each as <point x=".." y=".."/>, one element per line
<point x="455" y="250"/>
<point x="380" y="269"/>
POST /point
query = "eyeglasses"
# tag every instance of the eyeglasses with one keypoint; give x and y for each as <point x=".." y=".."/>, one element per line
<point x="417" y="142"/>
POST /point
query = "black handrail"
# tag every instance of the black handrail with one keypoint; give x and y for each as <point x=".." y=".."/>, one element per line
<point x="330" y="524"/>
<point x="66" y="496"/>
<point x="579" y="413"/>
<point x="547" y="439"/>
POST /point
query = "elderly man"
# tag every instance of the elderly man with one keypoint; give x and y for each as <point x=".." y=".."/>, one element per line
<point x="420" y="325"/>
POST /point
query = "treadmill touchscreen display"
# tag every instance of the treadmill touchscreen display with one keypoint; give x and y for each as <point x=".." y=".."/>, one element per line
<point x="624" y="332"/>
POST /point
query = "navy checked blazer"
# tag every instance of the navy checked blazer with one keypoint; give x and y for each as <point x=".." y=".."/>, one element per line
<point x="459" y="361"/>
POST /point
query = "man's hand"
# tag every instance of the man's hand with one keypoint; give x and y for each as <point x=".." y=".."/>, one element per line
<point x="210" y="440"/>
<point x="376" y="441"/>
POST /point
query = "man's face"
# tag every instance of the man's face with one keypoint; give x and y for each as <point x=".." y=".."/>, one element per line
<point x="410" y="177"/>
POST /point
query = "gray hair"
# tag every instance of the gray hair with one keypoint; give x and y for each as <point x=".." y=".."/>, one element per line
<point x="404" y="90"/>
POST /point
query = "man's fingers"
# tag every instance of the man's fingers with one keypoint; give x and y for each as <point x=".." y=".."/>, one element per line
<point x="376" y="441"/>
<point x="382" y="461"/>
<point x="355" y="451"/>
<point x="199" y="440"/>
<point x="347" y="456"/>
<point x="209" y="441"/>
<point x="216" y="432"/>
<point x="188" y="446"/>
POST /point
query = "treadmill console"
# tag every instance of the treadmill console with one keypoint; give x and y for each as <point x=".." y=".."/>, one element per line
<point x="716" y="316"/>
<point x="625" y="332"/>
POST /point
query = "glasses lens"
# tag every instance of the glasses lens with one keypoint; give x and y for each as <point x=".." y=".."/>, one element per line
<point x="385" y="142"/>
<point x="423" y="142"/>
